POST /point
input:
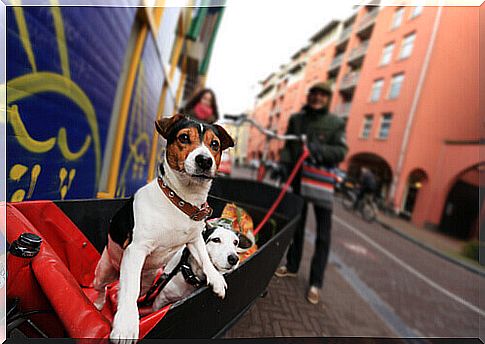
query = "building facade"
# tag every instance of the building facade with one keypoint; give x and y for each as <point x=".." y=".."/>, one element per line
<point x="84" y="87"/>
<point x="406" y="81"/>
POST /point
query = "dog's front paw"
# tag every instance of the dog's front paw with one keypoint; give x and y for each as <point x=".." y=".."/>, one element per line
<point x="218" y="283"/>
<point x="125" y="327"/>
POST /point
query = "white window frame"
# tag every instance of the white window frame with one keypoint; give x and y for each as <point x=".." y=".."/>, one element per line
<point x="388" y="50"/>
<point x="416" y="11"/>
<point x="374" y="87"/>
<point x="399" y="13"/>
<point x="381" y="124"/>
<point x="395" y="78"/>
<point x="404" y="43"/>
<point x="365" y="132"/>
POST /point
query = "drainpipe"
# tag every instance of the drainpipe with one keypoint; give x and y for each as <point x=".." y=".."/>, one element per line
<point x="417" y="95"/>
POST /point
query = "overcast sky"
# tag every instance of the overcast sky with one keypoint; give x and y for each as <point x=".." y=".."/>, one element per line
<point x="256" y="37"/>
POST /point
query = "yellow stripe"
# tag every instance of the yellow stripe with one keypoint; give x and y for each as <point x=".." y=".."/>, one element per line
<point x="179" y="40"/>
<point x="61" y="39"/>
<point x="153" y="150"/>
<point x="123" y="116"/>
<point x="158" y="12"/>
<point x="24" y="33"/>
<point x="182" y="82"/>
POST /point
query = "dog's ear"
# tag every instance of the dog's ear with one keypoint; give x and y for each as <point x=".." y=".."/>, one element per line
<point x="164" y="124"/>
<point x="207" y="233"/>
<point x="244" y="242"/>
<point x="226" y="139"/>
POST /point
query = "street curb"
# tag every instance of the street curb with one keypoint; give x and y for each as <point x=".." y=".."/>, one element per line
<point x="433" y="250"/>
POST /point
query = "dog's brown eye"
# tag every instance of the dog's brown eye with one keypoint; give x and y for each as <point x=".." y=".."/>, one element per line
<point x="216" y="240"/>
<point x="215" y="145"/>
<point x="235" y="242"/>
<point x="184" y="138"/>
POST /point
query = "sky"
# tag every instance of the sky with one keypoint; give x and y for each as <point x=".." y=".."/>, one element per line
<point x="256" y="37"/>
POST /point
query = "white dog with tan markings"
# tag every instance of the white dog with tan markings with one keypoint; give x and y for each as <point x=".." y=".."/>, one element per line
<point x="161" y="218"/>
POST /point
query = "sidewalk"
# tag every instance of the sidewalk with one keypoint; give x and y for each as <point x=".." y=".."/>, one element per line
<point x="441" y="244"/>
<point x="285" y="312"/>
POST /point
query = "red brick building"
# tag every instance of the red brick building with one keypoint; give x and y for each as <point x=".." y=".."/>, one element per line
<point x="406" y="80"/>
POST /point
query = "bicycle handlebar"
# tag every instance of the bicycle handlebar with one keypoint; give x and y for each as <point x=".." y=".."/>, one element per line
<point x="240" y="119"/>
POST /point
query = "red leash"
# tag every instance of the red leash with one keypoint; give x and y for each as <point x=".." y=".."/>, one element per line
<point x="305" y="154"/>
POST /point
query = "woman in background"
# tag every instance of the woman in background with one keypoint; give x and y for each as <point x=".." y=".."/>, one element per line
<point x="202" y="107"/>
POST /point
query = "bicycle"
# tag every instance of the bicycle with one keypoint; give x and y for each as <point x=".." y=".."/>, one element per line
<point x="367" y="207"/>
<point x="263" y="167"/>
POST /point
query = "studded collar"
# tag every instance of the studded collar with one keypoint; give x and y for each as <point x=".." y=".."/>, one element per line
<point x="195" y="213"/>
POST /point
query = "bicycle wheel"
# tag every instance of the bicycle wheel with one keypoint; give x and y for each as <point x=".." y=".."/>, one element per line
<point x="368" y="212"/>
<point x="348" y="200"/>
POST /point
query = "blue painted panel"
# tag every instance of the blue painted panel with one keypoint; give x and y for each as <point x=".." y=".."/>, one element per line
<point x="56" y="112"/>
<point x="141" y="122"/>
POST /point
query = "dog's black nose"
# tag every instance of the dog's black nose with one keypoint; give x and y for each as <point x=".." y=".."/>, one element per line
<point x="203" y="161"/>
<point x="233" y="259"/>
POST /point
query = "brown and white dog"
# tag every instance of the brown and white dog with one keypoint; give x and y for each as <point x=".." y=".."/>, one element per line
<point x="161" y="218"/>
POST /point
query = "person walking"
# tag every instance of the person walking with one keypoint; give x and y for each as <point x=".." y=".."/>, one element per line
<point x="202" y="106"/>
<point x="326" y="141"/>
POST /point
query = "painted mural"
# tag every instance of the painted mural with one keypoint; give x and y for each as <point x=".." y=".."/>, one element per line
<point x="67" y="73"/>
<point x="61" y="82"/>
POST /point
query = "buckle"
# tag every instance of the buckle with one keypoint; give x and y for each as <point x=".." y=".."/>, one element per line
<point x="201" y="214"/>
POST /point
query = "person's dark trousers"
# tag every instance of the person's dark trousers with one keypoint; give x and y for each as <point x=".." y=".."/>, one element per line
<point x="322" y="243"/>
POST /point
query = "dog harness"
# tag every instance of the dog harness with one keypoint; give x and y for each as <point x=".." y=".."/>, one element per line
<point x="195" y="213"/>
<point x="162" y="280"/>
<point x="187" y="272"/>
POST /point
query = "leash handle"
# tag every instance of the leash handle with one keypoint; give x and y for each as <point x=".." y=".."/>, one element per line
<point x="305" y="154"/>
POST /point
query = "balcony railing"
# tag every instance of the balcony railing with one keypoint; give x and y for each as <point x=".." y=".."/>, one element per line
<point x="359" y="51"/>
<point x="345" y="34"/>
<point x="349" y="80"/>
<point x="337" y="61"/>
<point x="368" y="19"/>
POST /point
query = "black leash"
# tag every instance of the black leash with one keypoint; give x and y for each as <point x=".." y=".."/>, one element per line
<point x="183" y="265"/>
<point x="163" y="280"/>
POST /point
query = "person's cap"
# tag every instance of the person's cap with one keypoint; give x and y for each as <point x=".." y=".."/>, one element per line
<point x="321" y="86"/>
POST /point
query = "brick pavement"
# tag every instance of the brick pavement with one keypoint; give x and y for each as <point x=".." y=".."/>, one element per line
<point x="285" y="311"/>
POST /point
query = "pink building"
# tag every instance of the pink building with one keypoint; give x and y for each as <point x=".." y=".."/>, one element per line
<point x="407" y="80"/>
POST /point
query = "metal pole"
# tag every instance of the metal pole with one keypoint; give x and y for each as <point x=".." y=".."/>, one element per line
<point x="417" y="94"/>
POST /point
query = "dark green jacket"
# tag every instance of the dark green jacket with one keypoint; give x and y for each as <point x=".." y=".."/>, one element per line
<point x="325" y="133"/>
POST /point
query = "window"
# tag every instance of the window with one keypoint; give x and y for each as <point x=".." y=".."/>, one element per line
<point x="386" y="120"/>
<point x="367" y="127"/>
<point x="416" y="11"/>
<point x="407" y="46"/>
<point x="396" y="84"/>
<point x="387" y="54"/>
<point x="376" y="90"/>
<point x="397" y="18"/>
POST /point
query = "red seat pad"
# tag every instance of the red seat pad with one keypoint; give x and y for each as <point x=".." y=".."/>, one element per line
<point x="66" y="260"/>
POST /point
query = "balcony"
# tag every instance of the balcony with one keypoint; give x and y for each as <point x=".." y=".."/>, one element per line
<point x="336" y="62"/>
<point x="365" y="26"/>
<point x="357" y="54"/>
<point x="349" y="81"/>
<point x="273" y="112"/>
<point x="344" y="36"/>
<point x="343" y="109"/>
